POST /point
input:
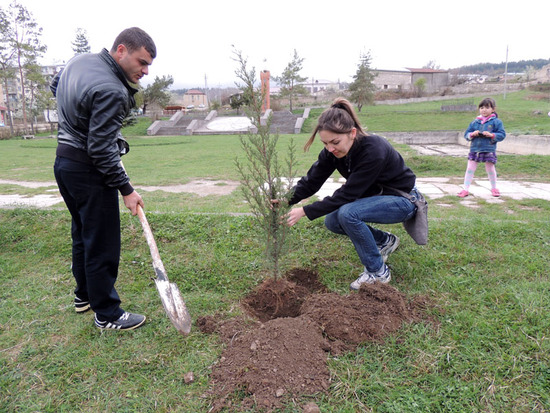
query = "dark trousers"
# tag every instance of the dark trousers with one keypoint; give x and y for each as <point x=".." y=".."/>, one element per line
<point x="95" y="234"/>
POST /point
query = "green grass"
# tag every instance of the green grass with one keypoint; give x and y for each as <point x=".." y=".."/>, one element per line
<point x="484" y="274"/>
<point x="519" y="112"/>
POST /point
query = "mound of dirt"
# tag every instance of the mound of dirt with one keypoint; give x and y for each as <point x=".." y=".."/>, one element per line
<point x="282" y="358"/>
<point x="283" y="355"/>
<point x="370" y="314"/>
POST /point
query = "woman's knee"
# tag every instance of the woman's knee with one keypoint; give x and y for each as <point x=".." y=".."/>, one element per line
<point x="332" y="224"/>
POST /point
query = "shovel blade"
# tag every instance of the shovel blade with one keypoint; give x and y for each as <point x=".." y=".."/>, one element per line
<point x="174" y="305"/>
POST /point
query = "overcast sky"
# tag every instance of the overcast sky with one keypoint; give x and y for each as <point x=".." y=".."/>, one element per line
<point x="194" y="38"/>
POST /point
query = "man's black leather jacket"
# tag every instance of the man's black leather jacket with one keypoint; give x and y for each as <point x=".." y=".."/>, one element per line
<point x="93" y="98"/>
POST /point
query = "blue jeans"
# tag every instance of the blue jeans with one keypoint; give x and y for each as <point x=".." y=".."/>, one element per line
<point x="350" y="220"/>
<point x="95" y="231"/>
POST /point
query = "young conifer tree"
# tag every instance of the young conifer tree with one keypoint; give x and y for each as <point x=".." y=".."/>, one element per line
<point x="265" y="182"/>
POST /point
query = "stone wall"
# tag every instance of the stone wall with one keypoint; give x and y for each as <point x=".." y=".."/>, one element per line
<point x="514" y="144"/>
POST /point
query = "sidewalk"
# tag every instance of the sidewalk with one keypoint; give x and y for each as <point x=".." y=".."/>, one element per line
<point x="432" y="188"/>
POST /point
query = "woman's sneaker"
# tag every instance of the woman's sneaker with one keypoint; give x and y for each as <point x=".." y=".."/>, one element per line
<point x="382" y="276"/>
<point x="127" y="321"/>
<point x="81" y="306"/>
<point x="389" y="246"/>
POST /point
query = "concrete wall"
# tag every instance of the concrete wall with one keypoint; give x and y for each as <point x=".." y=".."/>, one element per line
<point x="425" y="138"/>
<point x="525" y="144"/>
<point x="514" y="144"/>
<point x="388" y="80"/>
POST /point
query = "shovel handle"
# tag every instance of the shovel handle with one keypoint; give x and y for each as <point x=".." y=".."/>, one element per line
<point x="157" y="262"/>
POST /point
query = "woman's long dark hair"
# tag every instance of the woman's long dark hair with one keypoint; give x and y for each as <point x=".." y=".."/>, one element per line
<point x="339" y="118"/>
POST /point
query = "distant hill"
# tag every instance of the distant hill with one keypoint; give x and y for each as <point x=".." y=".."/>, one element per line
<point x="498" y="68"/>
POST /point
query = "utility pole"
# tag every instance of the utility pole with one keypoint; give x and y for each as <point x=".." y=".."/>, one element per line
<point x="206" y="91"/>
<point x="505" y="72"/>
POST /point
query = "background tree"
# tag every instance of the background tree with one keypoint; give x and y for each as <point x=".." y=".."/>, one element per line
<point x="362" y="89"/>
<point x="262" y="177"/>
<point x="157" y="92"/>
<point x="420" y="87"/>
<point x="25" y="44"/>
<point x="7" y="61"/>
<point x="80" y="43"/>
<point x="432" y="64"/>
<point x="35" y="83"/>
<point x="290" y="80"/>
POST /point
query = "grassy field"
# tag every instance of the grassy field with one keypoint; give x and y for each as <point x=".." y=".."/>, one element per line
<point x="484" y="271"/>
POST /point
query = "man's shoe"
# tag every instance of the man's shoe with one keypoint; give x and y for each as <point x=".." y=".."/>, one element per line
<point x="127" y="321"/>
<point x="81" y="306"/>
<point x="382" y="276"/>
<point x="389" y="246"/>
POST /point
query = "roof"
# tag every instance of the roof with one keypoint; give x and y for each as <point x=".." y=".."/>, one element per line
<point x="194" y="92"/>
<point x="425" y="70"/>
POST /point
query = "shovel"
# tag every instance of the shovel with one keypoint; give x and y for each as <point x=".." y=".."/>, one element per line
<point x="169" y="293"/>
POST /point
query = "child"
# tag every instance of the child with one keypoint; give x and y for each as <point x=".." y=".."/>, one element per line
<point x="484" y="133"/>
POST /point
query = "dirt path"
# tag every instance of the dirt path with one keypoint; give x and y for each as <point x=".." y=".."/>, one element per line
<point x="200" y="187"/>
<point x="432" y="188"/>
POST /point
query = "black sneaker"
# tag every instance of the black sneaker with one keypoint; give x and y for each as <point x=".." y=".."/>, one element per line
<point x="127" y="321"/>
<point x="81" y="306"/>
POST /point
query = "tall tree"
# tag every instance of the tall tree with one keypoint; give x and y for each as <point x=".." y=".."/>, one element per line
<point x="80" y="43"/>
<point x="157" y="92"/>
<point x="362" y="89"/>
<point x="35" y="83"/>
<point x="25" y="43"/>
<point x="290" y="80"/>
<point x="262" y="176"/>
<point x="7" y="61"/>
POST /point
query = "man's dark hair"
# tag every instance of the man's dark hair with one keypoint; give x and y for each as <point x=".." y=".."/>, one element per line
<point x="134" y="39"/>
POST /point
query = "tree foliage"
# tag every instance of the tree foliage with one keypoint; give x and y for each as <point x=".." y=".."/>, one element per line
<point x="362" y="89"/>
<point x="290" y="80"/>
<point x="157" y="92"/>
<point x="21" y="46"/>
<point x="498" y="68"/>
<point x="7" y="53"/>
<point x="80" y="43"/>
<point x="264" y="181"/>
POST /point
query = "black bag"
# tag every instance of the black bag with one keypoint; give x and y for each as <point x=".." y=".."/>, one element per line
<point x="417" y="226"/>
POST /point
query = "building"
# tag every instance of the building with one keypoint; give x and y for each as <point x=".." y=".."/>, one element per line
<point x="406" y="78"/>
<point x="316" y="86"/>
<point x="194" y="98"/>
<point x="14" y="92"/>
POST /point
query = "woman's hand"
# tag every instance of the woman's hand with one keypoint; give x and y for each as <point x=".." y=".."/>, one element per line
<point x="294" y="216"/>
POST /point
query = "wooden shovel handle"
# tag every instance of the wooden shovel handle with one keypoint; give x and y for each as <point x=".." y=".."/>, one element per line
<point x="157" y="262"/>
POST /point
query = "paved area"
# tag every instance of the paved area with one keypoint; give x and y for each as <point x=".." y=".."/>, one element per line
<point x="432" y="188"/>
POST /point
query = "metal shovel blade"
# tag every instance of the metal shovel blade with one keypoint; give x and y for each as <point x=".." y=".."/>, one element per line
<point x="174" y="306"/>
<point x="169" y="294"/>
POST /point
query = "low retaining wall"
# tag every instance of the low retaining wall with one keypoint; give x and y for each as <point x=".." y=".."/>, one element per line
<point x="516" y="144"/>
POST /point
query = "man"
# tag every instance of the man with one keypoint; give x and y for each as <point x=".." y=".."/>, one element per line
<point x="94" y="95"/>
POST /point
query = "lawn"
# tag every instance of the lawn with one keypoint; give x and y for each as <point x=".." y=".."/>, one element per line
<point x="484" y="275"/>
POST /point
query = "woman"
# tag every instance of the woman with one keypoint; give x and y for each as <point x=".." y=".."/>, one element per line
<point x="372" y="167"/>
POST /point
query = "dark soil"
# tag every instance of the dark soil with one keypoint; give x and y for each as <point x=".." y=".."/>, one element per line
<point x="282" y="352"/>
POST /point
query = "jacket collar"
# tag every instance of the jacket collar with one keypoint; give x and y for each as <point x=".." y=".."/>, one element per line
<point x="115" y="67"/>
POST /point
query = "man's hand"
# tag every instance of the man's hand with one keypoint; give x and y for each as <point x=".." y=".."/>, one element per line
<point x="132" y="201"/>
